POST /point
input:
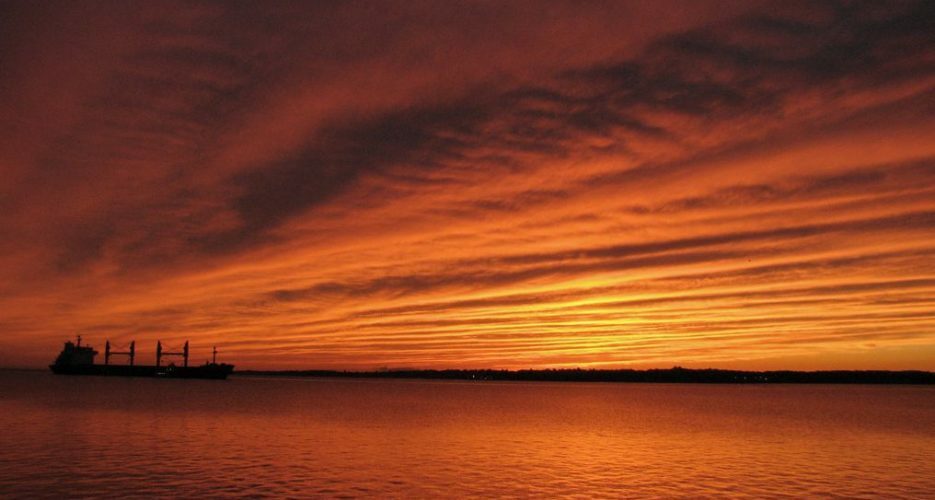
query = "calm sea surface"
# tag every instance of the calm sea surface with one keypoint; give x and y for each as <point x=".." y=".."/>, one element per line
<point x="77" y="436"/>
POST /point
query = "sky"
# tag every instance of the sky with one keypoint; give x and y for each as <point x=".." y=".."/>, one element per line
<point x="433" y="184"/>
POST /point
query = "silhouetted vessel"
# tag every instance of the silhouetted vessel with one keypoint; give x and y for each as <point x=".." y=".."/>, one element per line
<point x="76" y="359"/>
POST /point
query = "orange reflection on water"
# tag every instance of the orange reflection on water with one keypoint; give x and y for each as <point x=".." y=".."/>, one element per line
<point x="331" y="437"/>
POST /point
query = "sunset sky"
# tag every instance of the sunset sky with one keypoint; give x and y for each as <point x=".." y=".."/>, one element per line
<point x="441" y="184"/>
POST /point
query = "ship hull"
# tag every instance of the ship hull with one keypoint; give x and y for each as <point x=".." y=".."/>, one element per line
<point x="212" y="371"/>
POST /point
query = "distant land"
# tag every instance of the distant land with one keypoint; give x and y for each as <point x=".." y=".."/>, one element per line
<point x="670" y="375"/>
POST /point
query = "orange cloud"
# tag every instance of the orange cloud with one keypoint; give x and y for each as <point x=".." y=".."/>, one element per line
<point x="520" y="185"/>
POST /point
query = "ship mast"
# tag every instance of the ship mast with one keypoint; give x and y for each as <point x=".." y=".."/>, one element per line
<point x="160" y="353"/>
<point x="108" y="352"/>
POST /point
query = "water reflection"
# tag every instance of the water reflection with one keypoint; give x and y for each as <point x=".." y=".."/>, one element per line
<point x="111" y="436"/>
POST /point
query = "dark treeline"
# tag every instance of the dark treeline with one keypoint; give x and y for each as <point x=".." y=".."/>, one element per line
<point x="671" y="375"/>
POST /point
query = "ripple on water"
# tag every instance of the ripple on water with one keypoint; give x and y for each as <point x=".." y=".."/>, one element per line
<point x="298" y="438"/>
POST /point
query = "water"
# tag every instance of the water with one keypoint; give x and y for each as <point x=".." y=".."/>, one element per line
<point x="88" y="436"/>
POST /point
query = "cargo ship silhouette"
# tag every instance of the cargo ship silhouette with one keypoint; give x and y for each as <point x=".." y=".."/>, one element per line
<point x="77" y="359"/>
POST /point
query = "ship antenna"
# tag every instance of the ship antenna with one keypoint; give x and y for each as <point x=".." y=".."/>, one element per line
<point x="79" y="340"/>
<point x="214" y="356"/>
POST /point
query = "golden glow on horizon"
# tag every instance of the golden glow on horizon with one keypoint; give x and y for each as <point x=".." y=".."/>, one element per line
<point x="644" y="202"/>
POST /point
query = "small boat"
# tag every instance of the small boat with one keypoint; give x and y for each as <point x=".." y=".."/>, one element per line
<point x="77" y="359"/>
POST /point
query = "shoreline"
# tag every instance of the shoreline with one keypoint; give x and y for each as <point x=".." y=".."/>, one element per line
<point x="670" y="375"/>
<point x="676" y="375"/>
